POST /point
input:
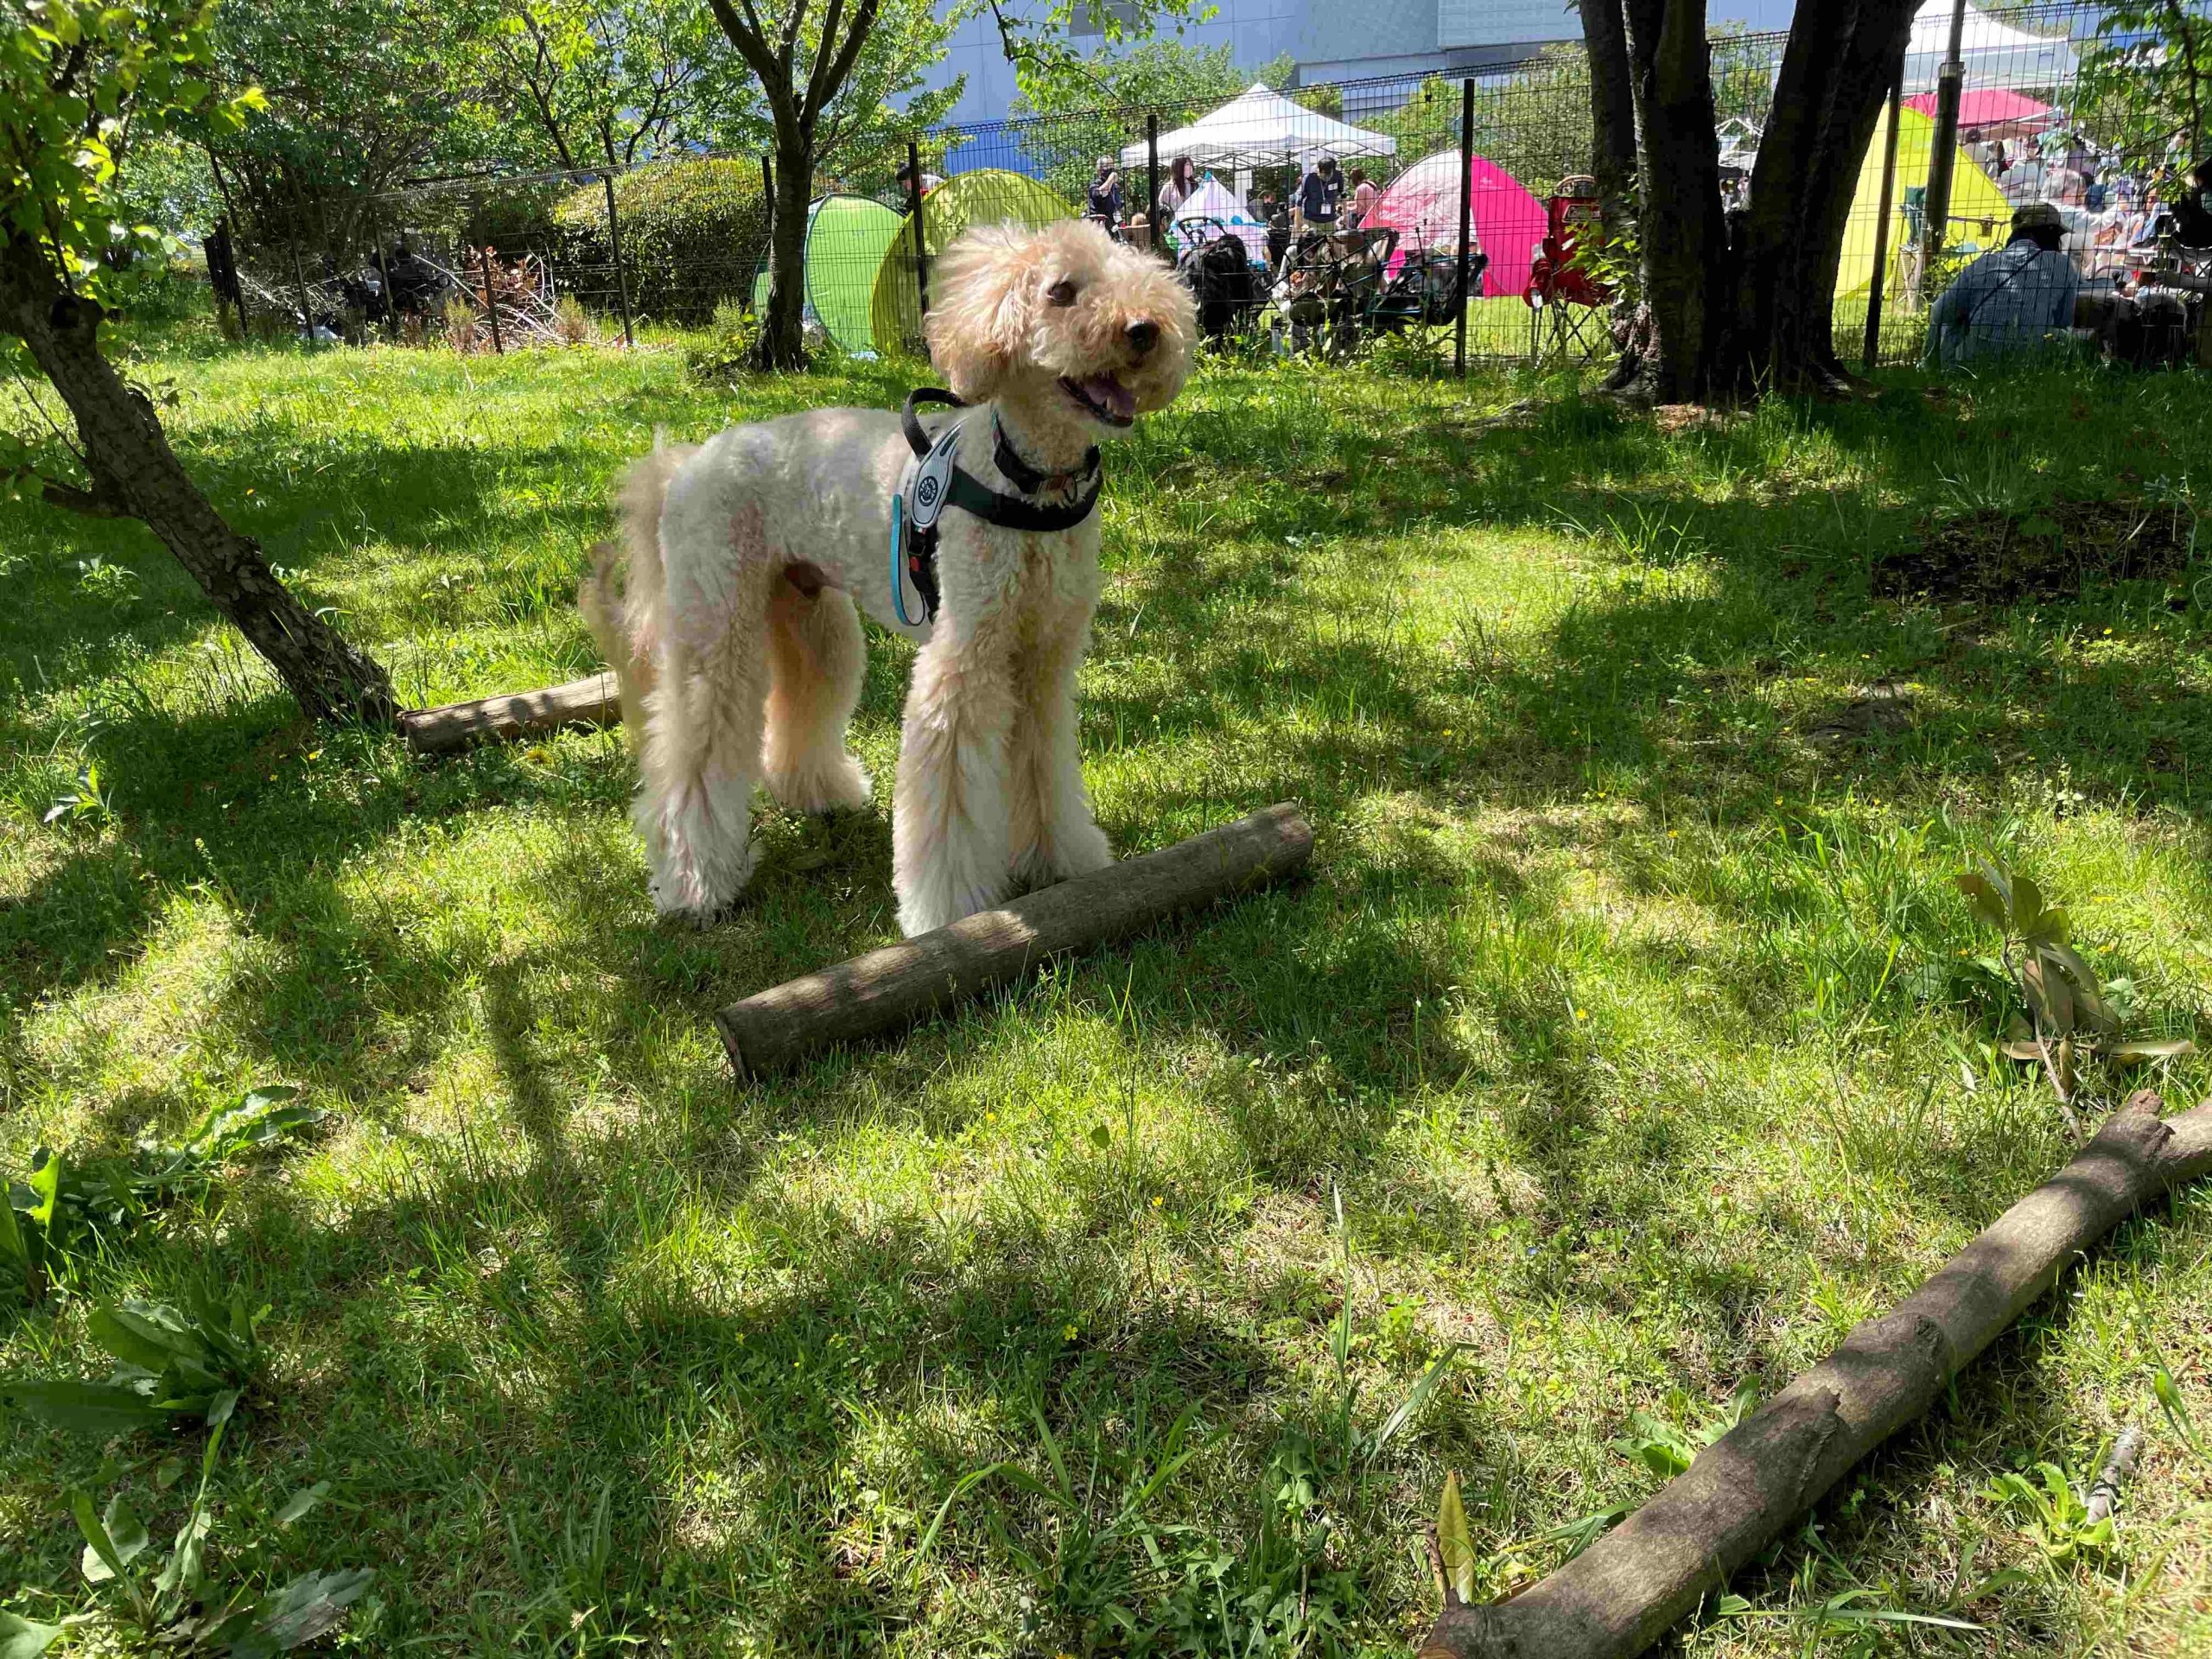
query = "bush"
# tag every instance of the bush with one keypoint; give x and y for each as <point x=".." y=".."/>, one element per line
<point x="693" y="234"/>
<point x="727" y="352"/>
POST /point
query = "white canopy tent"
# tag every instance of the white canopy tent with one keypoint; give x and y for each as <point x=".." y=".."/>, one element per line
<point x="1992" y="54"/>
<point x="1259" y="128"/>
<point x="1211" y="201"/>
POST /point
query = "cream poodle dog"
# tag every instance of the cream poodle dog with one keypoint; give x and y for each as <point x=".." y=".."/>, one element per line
<point x="734" y="633"/>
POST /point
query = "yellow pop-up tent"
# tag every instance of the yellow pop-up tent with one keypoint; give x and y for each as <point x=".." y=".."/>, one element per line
<point x="988" y="196"/>
<point x="1981" y="218"/>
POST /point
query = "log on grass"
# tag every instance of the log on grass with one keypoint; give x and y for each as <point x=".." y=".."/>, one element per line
<point x="1616" y="1597"/>
<point x="594" y="700"/>
<point x="892" y="988"/>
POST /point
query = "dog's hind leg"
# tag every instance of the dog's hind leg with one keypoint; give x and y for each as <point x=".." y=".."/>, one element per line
<point x="817" y="659"/>
<point x="949" y="820"/>
<point x="704" y="722"/>
<point x="701" y="760"/>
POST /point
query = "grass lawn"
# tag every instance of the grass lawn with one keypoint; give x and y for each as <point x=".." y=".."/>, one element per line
<point x="1629" y="1010"/>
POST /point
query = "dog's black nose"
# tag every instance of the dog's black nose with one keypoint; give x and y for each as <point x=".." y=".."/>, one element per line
<point x="1143" y="336"/>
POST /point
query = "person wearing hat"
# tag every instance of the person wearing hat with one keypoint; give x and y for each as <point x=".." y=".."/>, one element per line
<point x="2016" y="298"/>
<point x="1319" y="194"/>
<point x="1103" y="202"/>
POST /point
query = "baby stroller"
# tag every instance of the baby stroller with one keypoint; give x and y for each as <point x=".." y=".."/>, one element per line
<point x="1216" y="268"/>
<point x="1328" y="287"/>
<point x="1427" y="290"/>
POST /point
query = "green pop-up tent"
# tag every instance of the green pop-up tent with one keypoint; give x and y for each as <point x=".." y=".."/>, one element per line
<point x="988" y="196"/>
<point x="845" y="239"/>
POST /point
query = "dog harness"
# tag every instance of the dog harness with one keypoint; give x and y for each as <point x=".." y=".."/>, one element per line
<point x="934" y="481"/>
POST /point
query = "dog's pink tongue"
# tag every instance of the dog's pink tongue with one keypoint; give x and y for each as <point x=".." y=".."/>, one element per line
<point x="1109" y="393"/>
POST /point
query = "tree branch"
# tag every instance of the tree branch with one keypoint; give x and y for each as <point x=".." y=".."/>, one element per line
<point x="93" y="506"/>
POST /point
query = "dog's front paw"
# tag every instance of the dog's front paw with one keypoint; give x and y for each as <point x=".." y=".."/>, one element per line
<point x="688" y="894"/>
<point x="942" y="906"/>
<point x="1079" y="850"/>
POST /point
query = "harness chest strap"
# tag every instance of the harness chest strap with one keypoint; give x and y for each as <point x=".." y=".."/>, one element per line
<point x="934" y="480"/>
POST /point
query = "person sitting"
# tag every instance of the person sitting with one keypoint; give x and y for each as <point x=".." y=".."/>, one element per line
<point x="2018" y="296"/>
<point x="1365" y="195"/>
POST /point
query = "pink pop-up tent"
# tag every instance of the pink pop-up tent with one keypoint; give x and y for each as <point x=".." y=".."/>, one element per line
<point x="1422" y="204"/>
<point x="2003" y="113"/>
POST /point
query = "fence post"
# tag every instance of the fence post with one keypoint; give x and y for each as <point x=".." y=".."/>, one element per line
<point x="384" y="271"/>
<point x="306" y="313"/>
<point x="491" y="298"/>
<point x="615" y="243"/>
<point x="1882" y="226"/>
<point x="914" y="203"/>
<point x="1151" y="206"/>
<point x="1466" y="221"/>
<point x="1943" y="157"/>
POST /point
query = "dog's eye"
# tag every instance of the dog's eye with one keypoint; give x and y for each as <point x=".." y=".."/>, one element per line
<point x="1061" y="293"/>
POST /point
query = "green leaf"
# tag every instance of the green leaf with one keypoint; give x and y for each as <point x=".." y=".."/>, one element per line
<point x="301" y="1502"/>
<point x="1410" y="1407"/>
<point x="1988" y="900"/>
<point x="2048" y="996"/>
<point x="1100" y="1136"/>
<point x="152" y="1335"/>
<point x="2027" y="904"/>
<point x="105" y="1408"/>
<point x="2177" y="1410"/>
<point x="1455" y="1540"/>
<point x="102" y="1560"/>
<point x="310" y="1606"/>
<point x="21" y="1639"/>
<point x="2163" y="1048"/>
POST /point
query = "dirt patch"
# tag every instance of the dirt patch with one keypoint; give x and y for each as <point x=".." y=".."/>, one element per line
<point x="2050" y="552"/>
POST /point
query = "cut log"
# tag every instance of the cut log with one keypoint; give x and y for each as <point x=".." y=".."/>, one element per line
<point x="597" y="701"/>
<point x="890" y="988"/>
<point x="1616" y="1597"/>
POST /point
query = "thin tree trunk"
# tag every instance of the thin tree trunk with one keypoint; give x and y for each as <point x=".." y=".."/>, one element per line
<point x="1835" y="71"/>
<point x="782" y="338"/>
<point x="1685" y="240"/>
<point x="1612" y="150"/>
<point x="136" y="474"/>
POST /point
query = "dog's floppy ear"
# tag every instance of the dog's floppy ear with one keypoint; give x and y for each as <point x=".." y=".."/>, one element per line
<point x="983" y="296"/>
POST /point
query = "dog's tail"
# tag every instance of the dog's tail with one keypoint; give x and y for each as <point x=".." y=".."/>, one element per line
<point x="624" y="617"/>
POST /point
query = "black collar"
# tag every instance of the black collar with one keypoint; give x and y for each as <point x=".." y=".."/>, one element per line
<point x="971" y="495"/>
<point x="1026" y="478"/>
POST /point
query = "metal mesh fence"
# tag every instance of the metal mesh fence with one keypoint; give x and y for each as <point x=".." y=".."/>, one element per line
<point x="1322" y="219"/>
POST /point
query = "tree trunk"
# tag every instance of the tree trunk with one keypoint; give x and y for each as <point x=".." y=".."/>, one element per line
<point x="783" y="336"/>
<point x="1685" y="257"/>
<point x="1612" y="151"/>
<point x="136" y="474"/>
<point x="1835" y="71"/>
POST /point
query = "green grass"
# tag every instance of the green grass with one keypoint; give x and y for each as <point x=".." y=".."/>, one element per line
<point x="1621" y="1014"/>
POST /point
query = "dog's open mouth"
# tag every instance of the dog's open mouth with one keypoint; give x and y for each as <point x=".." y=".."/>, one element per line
<point x="1102" y="398"/>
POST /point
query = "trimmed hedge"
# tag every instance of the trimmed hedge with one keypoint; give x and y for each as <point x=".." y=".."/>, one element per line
<point x="693" y="234"/>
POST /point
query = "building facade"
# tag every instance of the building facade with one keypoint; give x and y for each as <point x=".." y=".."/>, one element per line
<point x="1329" y="40"/>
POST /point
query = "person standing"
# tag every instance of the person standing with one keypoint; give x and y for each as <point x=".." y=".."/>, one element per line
<point x="2018" y="297"/>
<point x="1103" y="202"/>
<point x="1319" y="195"/>
<point x="1182" y="184"/>
<point x="1365" y="195"/>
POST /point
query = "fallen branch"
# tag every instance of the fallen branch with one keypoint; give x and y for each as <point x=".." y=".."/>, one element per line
<point x="892" y="988"/>
<point x="1618" y="1596"/>
<point x="2119" y="1466"/>
<point x="594" y="700"/>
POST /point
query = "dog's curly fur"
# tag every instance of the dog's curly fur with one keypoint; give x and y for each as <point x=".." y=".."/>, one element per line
<point x="734" y="632"/>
